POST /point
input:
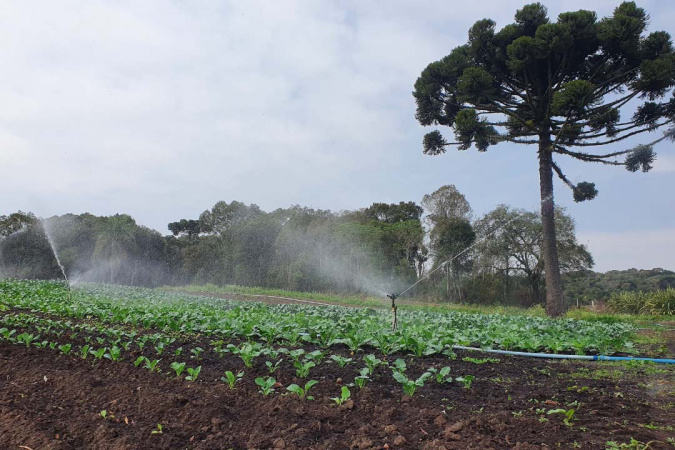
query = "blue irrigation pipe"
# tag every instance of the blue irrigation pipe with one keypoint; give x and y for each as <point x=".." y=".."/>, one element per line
<point x="577" y="357"/>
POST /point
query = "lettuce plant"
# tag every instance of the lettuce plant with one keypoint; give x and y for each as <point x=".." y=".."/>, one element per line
<point x="266" y="385"/>
<point x="344" y="396"/>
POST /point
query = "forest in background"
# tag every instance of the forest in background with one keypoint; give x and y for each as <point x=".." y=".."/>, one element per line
<point x="494" y="259"/>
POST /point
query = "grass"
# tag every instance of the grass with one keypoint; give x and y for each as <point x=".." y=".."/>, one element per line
<point x="383" y="302"/>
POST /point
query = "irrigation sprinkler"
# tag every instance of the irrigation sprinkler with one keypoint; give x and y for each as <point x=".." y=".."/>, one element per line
<point x="393" y="298"/>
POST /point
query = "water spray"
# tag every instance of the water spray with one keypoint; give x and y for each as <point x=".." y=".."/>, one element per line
<point x="56" y="255"/>
<point x="393" y="297"/>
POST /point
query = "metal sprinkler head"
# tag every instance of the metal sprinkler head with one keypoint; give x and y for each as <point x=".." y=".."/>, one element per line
<point x="392" y="296"/>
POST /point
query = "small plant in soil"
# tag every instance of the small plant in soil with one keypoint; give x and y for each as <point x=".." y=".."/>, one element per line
<point x="65" y="348"/>
<point x="231" y="379"/>
<point x="26" y="338"/>
<point x="371" y="363"/>
<point x="151" y="365"/>
<point x="341" y="360"/>
<point x="266" y="385"/>
<point x="273" y="367"/>
<point x="466" y="380"/>
<point x="158" y="430"/>
<point x="302" y="393"/>
<point x="361" y="380"/>
<point x="344" y="396"/>
<point x="302" y="368"/>
<point x="569" y="415"/>
<point x="98" y="354"/>
<point x="399" y="366"/>
<point x="193" y="373"/>
<point x="410" y="386"/>
<point x="246" y="352"/>
<point x="296" y="354"/>
<point x="316" y="356"/>
<point x="441" y="375"/>
<point x="178" y="351"/>
<point x="106" y="415"/>
<point x="480" y="360"/>
<point x="140" y="360"/>
<point x="114" y="354"/>
<point x="196" y="353"/>
<point x="178" y="367"/>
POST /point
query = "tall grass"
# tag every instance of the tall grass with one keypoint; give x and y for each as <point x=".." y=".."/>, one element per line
<point x="661" y="302"/>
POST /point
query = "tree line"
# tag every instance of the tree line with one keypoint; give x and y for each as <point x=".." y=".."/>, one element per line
<point x="383" y="248"/>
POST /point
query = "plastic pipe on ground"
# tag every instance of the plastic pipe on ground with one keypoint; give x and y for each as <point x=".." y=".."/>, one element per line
<point x="577" y="357"/>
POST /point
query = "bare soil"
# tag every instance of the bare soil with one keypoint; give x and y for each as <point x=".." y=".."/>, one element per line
<point x="53" y="401"/>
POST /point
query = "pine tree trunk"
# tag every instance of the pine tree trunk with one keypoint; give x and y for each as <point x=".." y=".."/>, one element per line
<point x="555" y="306"/>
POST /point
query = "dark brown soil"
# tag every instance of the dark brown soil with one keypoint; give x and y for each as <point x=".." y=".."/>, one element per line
<point x="53" y="401"/>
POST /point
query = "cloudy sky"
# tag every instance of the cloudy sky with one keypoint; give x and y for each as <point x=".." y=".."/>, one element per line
<point x="160" y="109"/>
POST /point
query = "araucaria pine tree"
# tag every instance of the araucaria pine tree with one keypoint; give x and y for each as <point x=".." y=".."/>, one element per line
<point x="560" y="86"/>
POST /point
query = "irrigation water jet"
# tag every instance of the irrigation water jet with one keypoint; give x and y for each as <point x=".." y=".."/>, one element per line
<point x="45" y="227"/>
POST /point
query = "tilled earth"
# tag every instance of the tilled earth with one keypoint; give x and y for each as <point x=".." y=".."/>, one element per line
<point x="53" y="401"/>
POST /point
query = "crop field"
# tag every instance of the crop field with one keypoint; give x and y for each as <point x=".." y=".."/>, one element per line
<point x="115" y="367"/>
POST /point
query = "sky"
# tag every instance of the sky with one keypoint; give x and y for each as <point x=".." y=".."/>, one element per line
<point x="159" y="109"/>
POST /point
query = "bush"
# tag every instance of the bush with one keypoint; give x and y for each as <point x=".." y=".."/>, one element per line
<point x="661" y="302"/>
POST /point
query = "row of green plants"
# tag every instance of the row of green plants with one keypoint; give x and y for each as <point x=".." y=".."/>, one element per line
<point x="35" y="328"/>
<point x="661" y="302"/>
<point x="420" y="332"/>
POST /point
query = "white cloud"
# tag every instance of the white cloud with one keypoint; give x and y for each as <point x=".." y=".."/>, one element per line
<point x="160" y="109"/>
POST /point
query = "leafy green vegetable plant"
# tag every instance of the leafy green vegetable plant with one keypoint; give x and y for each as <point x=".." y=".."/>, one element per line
<point x="344" y="396"/>
<point x="303" y="367"/>
<point x="341" y="360"/>
<point x="178" y="367"/>
<point x="466" y="380"/>
<point x="302" y="393"/>
<point x="193" y="373"/>
<point x="231" y="379"/>
<point x="410" y="386"/>
<point x="266" y="385"/>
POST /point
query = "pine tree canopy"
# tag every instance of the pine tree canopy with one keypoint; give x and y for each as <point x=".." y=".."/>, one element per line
<point x="568" y="81"/>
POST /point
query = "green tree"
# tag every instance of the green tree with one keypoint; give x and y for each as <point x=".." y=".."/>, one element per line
<point x="512" y="242"/>
<point x="560" y="86"/>
<point x="450" y="239"/>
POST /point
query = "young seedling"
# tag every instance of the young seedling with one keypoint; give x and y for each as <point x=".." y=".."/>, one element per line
<point x="399" y="365"/>
<point x="302" y="393"/>
<point x="569" y="415"/>
<point x="98" y="354"/>
<point x="361" y="380"/>
<point x="140" y="360"/>
<point x="296" y="354"/>
<point x="341" y="360"/>
<point x="246" y="352"/>
<point x="178" y="368"/>
<point x="273" y="367"/>
<point x="302" y="368"/>
<point x="410" y="386"/>
<point x="344" y="396"/>
<point x="266" y="385"/>
<point x="151" y="365"/>
<point x="480" y="360"/>
<point x="114" y="354"/>
<point x="106" y="415"/>
<point x="26" y="338"/>
<point x="158" y="430"/>
<point x="231" y="379"/>
<point x="178" y="351"/>
<point x="371" y="363"/>
<point x="441" y="375"/>
<point x="65" y="348"/>
<point x="316" y="356"/>
<point x="193" y="373"/>
<point x="466" y="380"/>
<point x="196" y="353"/>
